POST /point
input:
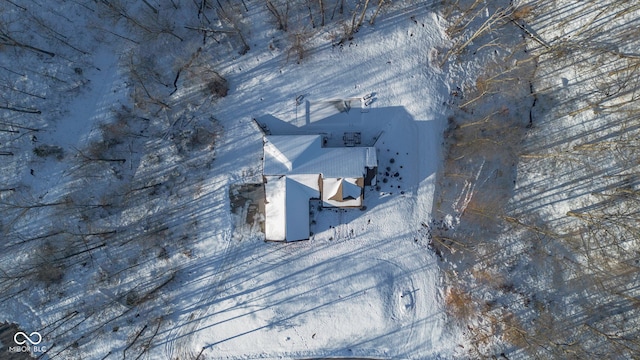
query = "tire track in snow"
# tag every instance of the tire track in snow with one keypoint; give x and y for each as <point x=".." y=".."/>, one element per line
<point x="404" y="294"/>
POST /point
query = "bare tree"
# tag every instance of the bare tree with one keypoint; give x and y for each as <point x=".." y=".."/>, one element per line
<point x="298" y="45"/>
<point x="280" y="15"/>
<point x="8" y="40"/>
<point x="233" y="18"/>
<point x="321" y="3"/>
<point x="152" y="23"/>
<point x="313" y="23"/>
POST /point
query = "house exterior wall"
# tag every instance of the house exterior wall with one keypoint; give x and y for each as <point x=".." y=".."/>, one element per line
<point x="370" y="176"/>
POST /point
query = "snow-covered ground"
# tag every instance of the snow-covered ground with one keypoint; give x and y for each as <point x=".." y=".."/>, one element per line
<point x="120" y="241"/>
<point x="504" y="222"/>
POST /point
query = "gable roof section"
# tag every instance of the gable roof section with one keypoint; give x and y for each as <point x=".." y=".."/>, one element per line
<point x="283" y="153"/>
<point x="337" y="163"/>
<point x="304" y="154"/>
<point x="297" y="209"/>
<point x="342" y="192"/>
<point x="345" y="190"/>
<point x="275" y="208"/>
<point x="287" y="206"/>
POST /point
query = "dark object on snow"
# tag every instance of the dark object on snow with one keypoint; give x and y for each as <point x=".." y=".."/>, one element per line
<point x="49" y="150"/>
<point x="217" y="85"/>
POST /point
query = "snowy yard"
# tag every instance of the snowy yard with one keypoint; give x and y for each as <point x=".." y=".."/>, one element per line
<point x="504" y="221"/>
<point x="122" y="230"/>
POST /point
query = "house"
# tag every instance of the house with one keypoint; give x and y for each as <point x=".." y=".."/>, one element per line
<point x="297" y="168"/>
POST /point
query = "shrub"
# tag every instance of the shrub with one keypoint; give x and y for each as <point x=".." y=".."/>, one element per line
<point x="217" y="85"/>
<point x="459" y="304"/>
<point x="132" y="299"/>
<point x="522" y="12"/>
<point x="49" y="274"/>
<point x="49" y="150"/>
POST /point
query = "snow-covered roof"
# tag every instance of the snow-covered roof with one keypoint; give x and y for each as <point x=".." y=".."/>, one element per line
<point x="287" y="206"/>
<point x="304" y="154"/>
<point x="275" y="208"/>
<point x="342" y="192"/>
<point x="284" y="152"/>
<point x="297" y="168"/>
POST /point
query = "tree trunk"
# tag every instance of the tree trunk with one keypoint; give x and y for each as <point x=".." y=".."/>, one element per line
<point x="23" y="110"/>
<point x="366" y="4"/>
<point x="313" y="23"/>
<point x="376" y="13"/>
<point x="5" y="39"/>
